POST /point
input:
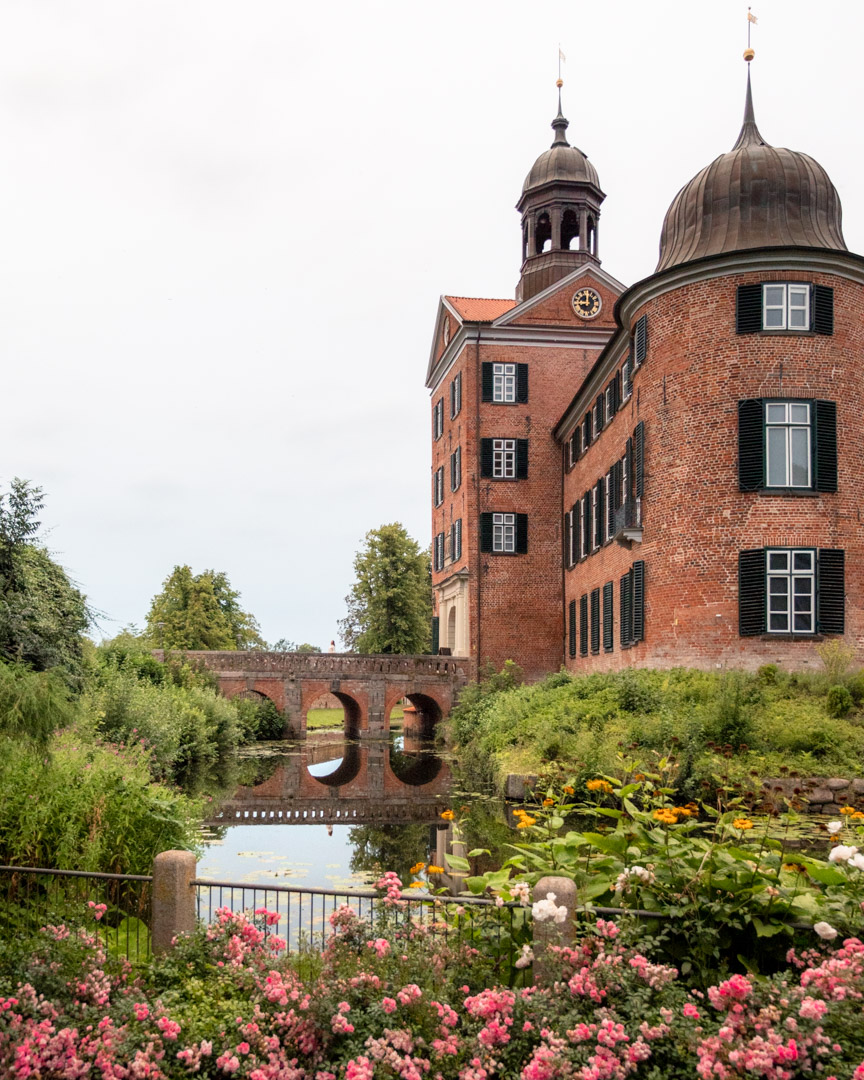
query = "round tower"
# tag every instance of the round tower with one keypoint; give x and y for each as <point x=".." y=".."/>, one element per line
<point x="560" y="208"/>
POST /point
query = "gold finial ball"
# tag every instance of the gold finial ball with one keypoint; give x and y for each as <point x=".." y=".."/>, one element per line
<point x="559" y="83"/>
<point x="748" y="55"/>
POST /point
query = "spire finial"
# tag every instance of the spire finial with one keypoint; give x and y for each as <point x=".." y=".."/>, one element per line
<point x="559" y="123"/>
<point x="749" y="134"/>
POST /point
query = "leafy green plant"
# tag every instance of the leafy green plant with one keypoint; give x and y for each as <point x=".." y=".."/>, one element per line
<point x="839" y="701"/>
<point x="837" y="657"/>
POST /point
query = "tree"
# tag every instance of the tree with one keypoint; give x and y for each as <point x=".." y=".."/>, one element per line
<point x="390" y="603"/>
<point x="284" y="645"/>
<point x="200" y="611"/>
<point x="43" y="616"/>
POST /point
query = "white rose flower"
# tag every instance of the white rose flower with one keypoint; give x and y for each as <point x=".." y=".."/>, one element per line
<point x="842" y="853"/>
<point x="857" y="861"/>
<point x="834" y="827"/>
<point x="825" y="930"/>
<point x="526" y="958"/>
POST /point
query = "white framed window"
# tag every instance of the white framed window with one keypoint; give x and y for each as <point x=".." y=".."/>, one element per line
<point x="610" y="402"/>
<point x="504" y="459"/>
<point x="438" y="486"/>
<point x="456" y="396"/>
<point x="456" y="468"/>
<point x="788" y="444"/>
<point x="504" y="532"/>
<point x="791" y="584"/>
<point x="785" y="307"/>
<point x="504" y="382"/>
<point x="438" y="419"/>
<point x="456" y="540"/>
<point x="625" y="482"/>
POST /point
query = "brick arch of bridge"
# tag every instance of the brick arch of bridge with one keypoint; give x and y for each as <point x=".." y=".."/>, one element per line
<point x="353" y="696"/>
<point x="233" y="686"/>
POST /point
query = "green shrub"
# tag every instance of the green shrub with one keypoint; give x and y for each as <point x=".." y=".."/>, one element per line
<point x="839" y="701"/>
<point x="767" y="673"/>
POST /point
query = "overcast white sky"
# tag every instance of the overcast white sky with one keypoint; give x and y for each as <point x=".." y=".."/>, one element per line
<point x="225" y="225"/>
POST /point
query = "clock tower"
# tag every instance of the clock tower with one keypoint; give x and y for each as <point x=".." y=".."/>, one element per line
<point x="560" y="208"/>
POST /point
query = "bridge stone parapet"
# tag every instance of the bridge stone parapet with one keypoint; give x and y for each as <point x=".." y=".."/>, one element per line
<point x="367" y="686"/>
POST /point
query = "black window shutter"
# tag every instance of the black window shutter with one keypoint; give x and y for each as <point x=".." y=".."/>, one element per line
<point x="567" y="528"/>
<point x="640" y="340"/>
<point x="748" y="309"/>
<point x="822" y="310"/>
<point x="610" y="502"/>
<point x="825" y="446"/>
<point x="571" y="616"/>
<point x="521" y="534"/>
<point x="522" y="383"/>
<point x="486" y="457"/>
<point x="628" y="375"/>
<point x="638" y="600"/>
<point x="601" y="504"/>
<point x="628" y="454"/>
<point x="521" y="459"/>
<point x="625" y="610"/>
<point x="488" y="382"/>
<point x="485" y="532"/>
<point x="577" y="532"/>
<point x="583" y="624"/>
<point x="435" y="633"/>
<point x="751" y="592"/>
<point x="452" y="399"/>
<point x="601" y="411"/>
<point x="639" y="459"/>
<point x="751" y="444"/>
<point x="586" y="428"/>
<point x="616" y="391"/>
<point x="608" y="625"/>
<point x="586" y="521"/>
<point x="595" y="620"/>
<point x="453" y="472"/>
<point x="831" y="591"/>
<point x="617" y="477"/>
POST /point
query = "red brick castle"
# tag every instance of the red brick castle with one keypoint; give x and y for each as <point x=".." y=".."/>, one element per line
<point x="665" y="474"/>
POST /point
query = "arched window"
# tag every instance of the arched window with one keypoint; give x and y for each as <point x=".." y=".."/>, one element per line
<point x="543" y="234"/>
<point x="570" y="231"/>
<point x="591" y="238"/>
<point x="451" y="629"/>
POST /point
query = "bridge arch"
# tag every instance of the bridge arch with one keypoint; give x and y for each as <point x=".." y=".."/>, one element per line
<point x="348" y="768"/>
<point x="427" y="715"/>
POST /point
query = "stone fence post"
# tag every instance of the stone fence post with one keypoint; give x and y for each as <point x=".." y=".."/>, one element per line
<point x="173" y="906"/>
<point x="548" y="932"/>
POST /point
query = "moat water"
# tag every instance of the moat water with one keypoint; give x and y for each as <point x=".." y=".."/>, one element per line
<point x="334" y="813"/>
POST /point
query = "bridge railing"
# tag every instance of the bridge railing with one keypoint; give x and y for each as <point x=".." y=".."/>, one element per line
<point x="325" y="665"/>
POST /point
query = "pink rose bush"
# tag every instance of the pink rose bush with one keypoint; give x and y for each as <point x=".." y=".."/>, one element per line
<point x="225" y="1003"/>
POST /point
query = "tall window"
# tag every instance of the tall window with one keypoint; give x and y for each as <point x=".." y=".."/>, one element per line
<point x="438" y="419"/>
<point x="504" y="382"/>
<point x="787" y="443"/>
<point x="438" y="486"/>
<point x="456" y="540"/>
<point x="438" y="552"/>
<point x="785" y="307"/>
<point x="504" y="532"/>
<point x="791" y="591"/>
<point x="504" y="459"/>
<point x="456" y="396"/>
<point x="456" y="468"/>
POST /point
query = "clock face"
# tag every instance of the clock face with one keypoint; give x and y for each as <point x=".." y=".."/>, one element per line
<point x="586" y="303"/>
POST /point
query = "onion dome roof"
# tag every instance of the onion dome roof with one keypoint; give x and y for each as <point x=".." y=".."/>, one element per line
<point x="757" y="195"/>
<point x="561" y="162"/>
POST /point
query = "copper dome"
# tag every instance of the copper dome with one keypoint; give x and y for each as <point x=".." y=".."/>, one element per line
<point x="561" y="162"/>
<point x="753" y="197"/>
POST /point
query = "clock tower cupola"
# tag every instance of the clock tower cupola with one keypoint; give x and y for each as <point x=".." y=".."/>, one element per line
<point x="560" y="208"/>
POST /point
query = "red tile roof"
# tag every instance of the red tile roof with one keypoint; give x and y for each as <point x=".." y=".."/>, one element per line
<point x="480" y="309"/>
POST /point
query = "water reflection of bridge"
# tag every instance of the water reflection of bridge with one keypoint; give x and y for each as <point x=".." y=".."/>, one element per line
<point x="369" y="783"/>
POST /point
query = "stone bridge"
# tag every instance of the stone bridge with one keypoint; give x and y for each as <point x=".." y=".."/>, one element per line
<point x="367" y="686"/>
<point x="362" y="787"/>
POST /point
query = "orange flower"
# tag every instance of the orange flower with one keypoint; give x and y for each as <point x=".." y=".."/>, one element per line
<point x="435" y="869"/>
<point x="448" y="815"/>
<point x="417" y="867"/>
<point x="548" y="802"/>
<point x="858" y="815"/>
<point x="569" y="790"/>
<point x="417" y="885"/>
<point x="599" y="785"/>
<point x="849" y="810"/>
<point x="742" y="823"/>
<point x="638" y="776"/>
<point x="666" y="815"/>
<point x="526" y="822"/>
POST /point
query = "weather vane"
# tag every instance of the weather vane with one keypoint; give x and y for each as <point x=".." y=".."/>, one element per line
<point x="748" y="52"/>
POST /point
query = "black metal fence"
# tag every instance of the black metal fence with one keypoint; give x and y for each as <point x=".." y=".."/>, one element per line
<point x="116" y="907"/>
<point x="304" y="913"/>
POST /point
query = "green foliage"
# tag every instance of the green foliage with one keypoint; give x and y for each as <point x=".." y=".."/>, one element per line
<point x="284" y="645"/>
<point x="837" y="657"/>
<point x="839" y="701"/>
<point x="33" y="704"/>
<point x="199" y="611"/>
<point x="87" y="806"/>
<point x="42" y="615"/>
<point x="390" y="602"/>
<point x="171" y="709"/>
<point x="730" y="721"/>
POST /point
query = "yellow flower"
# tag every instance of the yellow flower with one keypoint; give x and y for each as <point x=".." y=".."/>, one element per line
<point x="742" y="823"/>
<point x="847" y="810"/>
<point x="548" y="802"/>
<point x="569" y="790"/>
<point x="599" y="785"/>
<point x="435" y="869"/>
<point x="858" y="815"/>
<point x="526" y="822"/>
<point x="448" y="815"/>
<point x="417" y="885"/>
<point x="417" y="867"/>
<point x="666" y="815"/>
<point x="638" y="776"/>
